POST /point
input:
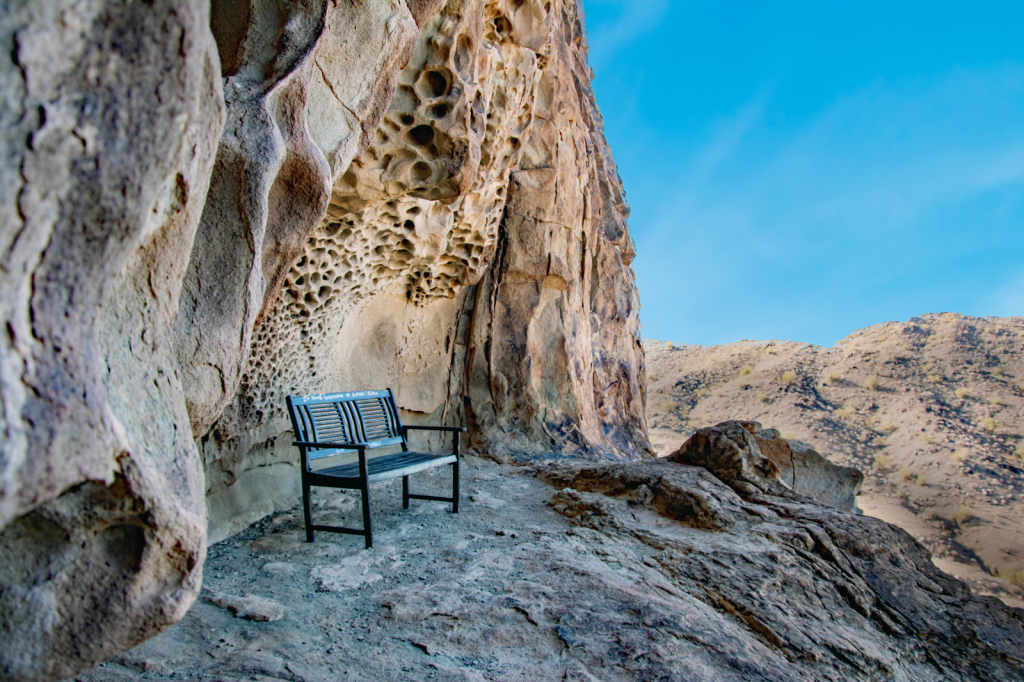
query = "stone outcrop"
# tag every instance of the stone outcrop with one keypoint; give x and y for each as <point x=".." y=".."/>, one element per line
<point x="205" y="209"/>
<point x="474" y="257"/>
<point x="818" y="594"/>
<point x="750" y="458"/>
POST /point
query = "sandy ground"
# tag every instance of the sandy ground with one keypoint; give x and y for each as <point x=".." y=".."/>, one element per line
<point x="931" y="410"/>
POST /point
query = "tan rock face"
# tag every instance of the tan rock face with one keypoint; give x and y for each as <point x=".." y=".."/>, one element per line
<point x="111" y="111"/>
<point x="475" y="258"/>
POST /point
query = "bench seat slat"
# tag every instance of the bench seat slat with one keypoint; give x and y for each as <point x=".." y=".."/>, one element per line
<point x="388" y="466"/>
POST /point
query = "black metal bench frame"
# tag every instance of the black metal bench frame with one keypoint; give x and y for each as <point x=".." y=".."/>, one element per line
<point x="339" y="423"/>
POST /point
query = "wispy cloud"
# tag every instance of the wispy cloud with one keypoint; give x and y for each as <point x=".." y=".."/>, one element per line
<point x="904" y="196"/>
<point x="634" y="18"/>
<point x="1007" y="299"/>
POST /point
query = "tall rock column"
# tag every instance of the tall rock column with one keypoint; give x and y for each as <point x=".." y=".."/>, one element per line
<point x="111" y="111"/>
<point x="555" y="365"/>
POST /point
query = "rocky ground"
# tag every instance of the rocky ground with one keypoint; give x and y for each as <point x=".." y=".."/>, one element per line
<point x="574" y="571"/>
<point x="931" y="410"/>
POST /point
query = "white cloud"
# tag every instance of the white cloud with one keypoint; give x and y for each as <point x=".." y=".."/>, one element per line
<point x="633" y="19"/>
<point x="1008" y="299"/>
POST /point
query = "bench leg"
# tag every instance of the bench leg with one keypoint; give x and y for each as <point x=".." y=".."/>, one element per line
<point x="405" y="492"/>
<point x="455" y="487"/>
<point x="306" y="513"/>
<point x="366" y="516"/>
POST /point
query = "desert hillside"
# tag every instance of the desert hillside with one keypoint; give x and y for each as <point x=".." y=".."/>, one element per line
<point x="931" y="410"/>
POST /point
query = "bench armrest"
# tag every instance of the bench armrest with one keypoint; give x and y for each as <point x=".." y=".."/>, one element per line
<point x="460" y="429"/>
<point x="330" y="446"/>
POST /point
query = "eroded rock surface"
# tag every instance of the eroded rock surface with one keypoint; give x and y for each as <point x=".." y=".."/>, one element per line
<point x="474" y="257"/>
<point x="110" y="112"/>
<point x="750" y="458"/>
<point x="639" y="570"/>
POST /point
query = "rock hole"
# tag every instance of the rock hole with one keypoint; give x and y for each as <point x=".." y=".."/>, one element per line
<point x="438" y="111"/>
<point x="407" y="119"/>
<point x="436" y="83"/>
<point x="413" y="210"/>
<point x="423" y="134"/>
<point x="503" y="26"/>
<point x="464" y="57"/>
<point x="420" y="172"/>
<point x="410" y="225"/>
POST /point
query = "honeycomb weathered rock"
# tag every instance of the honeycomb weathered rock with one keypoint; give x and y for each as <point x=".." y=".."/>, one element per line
<point x="474" y="257"/>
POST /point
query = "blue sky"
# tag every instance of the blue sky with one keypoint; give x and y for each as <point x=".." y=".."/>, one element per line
<point x="799" y="170"/>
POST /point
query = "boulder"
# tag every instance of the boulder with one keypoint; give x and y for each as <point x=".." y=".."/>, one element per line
<point x="750" y="458"/>
<point x="777" y="586"/>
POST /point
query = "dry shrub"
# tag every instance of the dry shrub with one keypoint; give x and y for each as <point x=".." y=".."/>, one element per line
<point x="961" y="393"/>
<point x="962" y="514"/>
<point x="959" y="456"/>
<point x="668" y="404"/>
<point x="700" y="393"/>
<point x="869" y="422"/>
<point x="927" y="367"/>
<point x="996" y="401"/>
<point x="882" y="463"/>
<point x="844" y="412"/>
<point x="833" y="377"/>
<point x="906" y="474"/>
<point x="745" y="369"/>
<point x="1012" y="574"/>
<point x="926" y="438"/>
<point x="934" y="378"/>
<point x="871" y="383"/>
<point x="889" y="427"/>
<point x="788" y="377"/>
<point x="988" y="424"/>
<point x="761" y="397"/>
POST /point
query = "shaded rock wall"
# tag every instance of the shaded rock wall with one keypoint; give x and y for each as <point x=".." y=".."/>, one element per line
<point x="111" y="114"/>
<point x="475" y="257"/>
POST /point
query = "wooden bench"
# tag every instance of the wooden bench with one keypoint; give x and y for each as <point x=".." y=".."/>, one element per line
<point x="337" y="424"/>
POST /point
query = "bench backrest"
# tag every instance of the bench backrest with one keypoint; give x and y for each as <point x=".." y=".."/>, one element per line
<point x="369" y="417"/>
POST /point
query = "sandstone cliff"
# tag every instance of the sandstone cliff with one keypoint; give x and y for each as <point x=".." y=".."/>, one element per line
<point x="475" y="257"/>
<point x="205" y="210"/>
